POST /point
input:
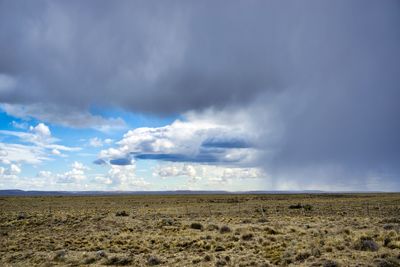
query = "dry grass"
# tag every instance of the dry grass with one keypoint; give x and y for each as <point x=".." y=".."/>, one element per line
<point x="204" y="230"/>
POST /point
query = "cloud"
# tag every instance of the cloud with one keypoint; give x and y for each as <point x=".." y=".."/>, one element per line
<point x="7" y="83"/>
<point x="10" y="172"/>
<point x="40" y="144"/>
<point x="41" y="130"/>
<point x="56" y="152"/>
<point x="20" y="125"/>
<point x="44" y="174"/>
<point x="22" y="154"/>
<point x="122" y="177"/>
<point x="63" y="115"/>
<point x="210" y="173"/>
<point x="95" y="142"/>
<point x="13" y="170"/>
<point x="170" y="59"/>
<point x="198" y="138"/>
<point x="75" y="175"/>
<point x="98" y="142"/>
<point x="316" y="85"/>
<point x="40" y="136"/>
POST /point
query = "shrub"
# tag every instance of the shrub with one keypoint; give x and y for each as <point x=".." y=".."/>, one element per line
<point x="219" y="248"/>
<point x="118" y="261"/>
<point x="390" y="262"/>
<point x="302" y="256"/>
<point x="247" y="237"/>
<point x="195" y="261"/>
<point x="121" y="213"/>
<point x="387" y="241"/>
<point x="220" y="263"/>
<point x="167" y="222"/>
<point x="330" y="263"/>
<point x="207" y="258"/>
<point x="297" y="206"/>
<point x="153" y="260"/>
<point x="60" y="255"/>
<point x="21" y="216"/>
<point x="225" y="229"/>
<point x="307" y="207"/>
<point x="197" y="226"/>
<point x="101" y="254"/>
<point x="366" y="244"/>
<point x="270" y="231"/>
<point x="89" y="260"/>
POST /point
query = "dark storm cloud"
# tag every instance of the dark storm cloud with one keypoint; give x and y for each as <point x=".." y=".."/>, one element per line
<point x="120" y="161"/>
<point x="143" y="56"/>
<point x="328" y="71"/>
<point x="225" y="143"/>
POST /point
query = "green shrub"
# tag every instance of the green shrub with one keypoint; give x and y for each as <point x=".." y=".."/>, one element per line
<point x="197" y="226"/>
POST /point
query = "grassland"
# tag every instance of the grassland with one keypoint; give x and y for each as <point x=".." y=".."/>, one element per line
<point x="201" y="230"/>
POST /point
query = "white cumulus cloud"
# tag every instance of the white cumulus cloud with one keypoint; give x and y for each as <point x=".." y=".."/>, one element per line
<point x="76" y="174"/>
<point x="197" y="138"/>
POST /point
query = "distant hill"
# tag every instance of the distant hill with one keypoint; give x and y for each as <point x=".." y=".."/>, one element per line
<point x="16" y="192"/>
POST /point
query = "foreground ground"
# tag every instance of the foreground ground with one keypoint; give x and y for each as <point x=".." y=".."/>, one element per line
<point x="202" y="230"/>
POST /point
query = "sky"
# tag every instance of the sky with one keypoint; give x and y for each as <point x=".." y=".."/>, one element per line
<point x="200" y="95"/>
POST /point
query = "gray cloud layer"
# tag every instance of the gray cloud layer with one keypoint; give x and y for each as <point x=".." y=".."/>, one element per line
<point x="327" y="71"/>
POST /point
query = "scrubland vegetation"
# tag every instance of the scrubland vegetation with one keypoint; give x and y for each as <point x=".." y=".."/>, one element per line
<point x="203" y="230"/>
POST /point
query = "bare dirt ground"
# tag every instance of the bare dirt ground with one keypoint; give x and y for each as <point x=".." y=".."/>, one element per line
<point x="201" y="230"/>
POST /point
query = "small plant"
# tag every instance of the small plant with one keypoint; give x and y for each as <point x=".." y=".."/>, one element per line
<point x="270" y="231"/>
<point x="247" y="237"/>
<point x="101" y="254"/>
<point x="167" y="222"/>
<point x="153" y="260"/>
<point x="60" y="255"/>
<point x="366" y="244"/>
<point x="220" y="263"/>
<point x="307" y="207"/>
<point x="89" y="260"/>
<point x="121" y="213"/>
<point x="302" y="256"/>
<point x="115" y="260"/>
<point x="195" y="261"/>
<point x="197" y="226"/>
<point x="21" y="216"/>
<point x="207" y="258"/>
<point x="388" y="262"/>
<point x="219" y="248"/>
<point x="225" y="229"/>
<point x="330" y="263"/>
<point x="297" y="206"/>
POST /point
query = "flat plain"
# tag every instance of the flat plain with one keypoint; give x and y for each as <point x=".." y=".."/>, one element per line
<point x="201" y="230"/>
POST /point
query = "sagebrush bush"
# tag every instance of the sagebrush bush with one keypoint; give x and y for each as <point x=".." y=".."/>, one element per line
<point x="307" y="207"/>
<point x="197" y="226"/>
<point x="121" y="213"/>
<point x="225" y="229"/>
<point x="247" y="236"/>
<point x="330" y="263"/>
<point x="297" y="206"/>
<point x="153" y="260"/>
<point x="366" y="244"/>
<point x="116" y="260"/>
